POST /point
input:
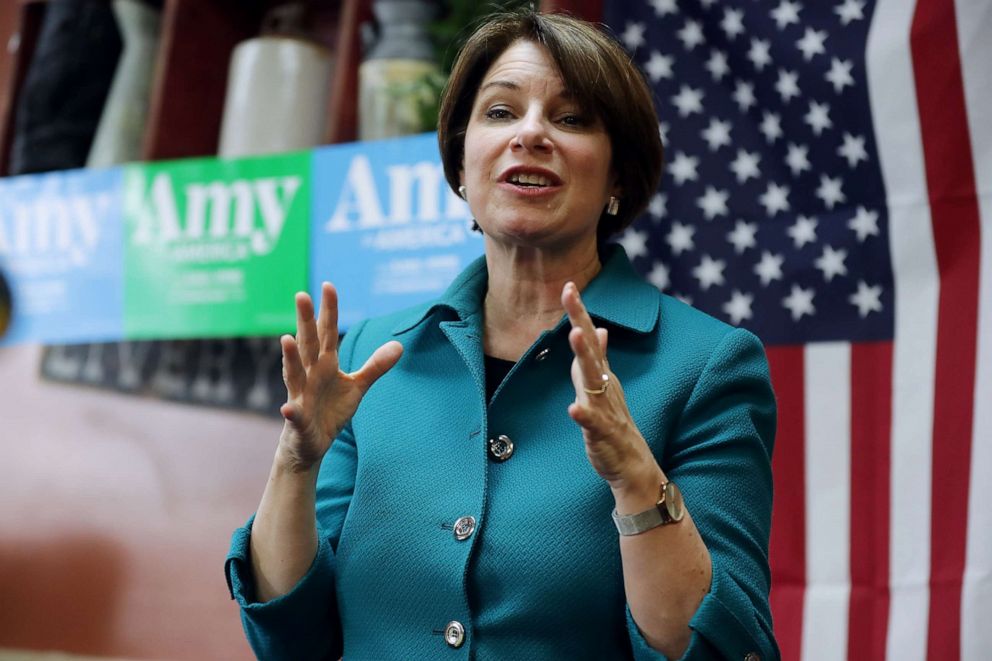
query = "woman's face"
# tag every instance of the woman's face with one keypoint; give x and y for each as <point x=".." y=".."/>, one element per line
<point x="537" y="168"/>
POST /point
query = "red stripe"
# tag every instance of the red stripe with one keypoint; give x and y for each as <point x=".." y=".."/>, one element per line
<point x="871" y="427"/>
<point x="954" y="208"/>
<point x="787" y="552"/>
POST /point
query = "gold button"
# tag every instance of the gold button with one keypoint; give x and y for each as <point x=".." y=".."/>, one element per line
<point x="454" y="634"/>
<point x="464" y="527"/>
<point x="501" y="447"/>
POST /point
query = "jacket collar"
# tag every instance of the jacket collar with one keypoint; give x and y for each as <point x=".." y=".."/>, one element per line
<point x="617" y="296"/>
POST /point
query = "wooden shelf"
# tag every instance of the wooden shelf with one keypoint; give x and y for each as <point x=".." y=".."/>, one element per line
<point x="198" y="37"/>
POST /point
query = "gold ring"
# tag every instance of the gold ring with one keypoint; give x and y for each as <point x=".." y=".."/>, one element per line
<point x="599" y="391"/>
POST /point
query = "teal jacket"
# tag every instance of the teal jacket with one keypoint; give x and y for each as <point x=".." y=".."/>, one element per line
<point x="540" y="575"/>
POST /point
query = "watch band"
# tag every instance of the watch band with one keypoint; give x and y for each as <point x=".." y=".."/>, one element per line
<point x="661" y="514"/>
<point x="635" y="524"/>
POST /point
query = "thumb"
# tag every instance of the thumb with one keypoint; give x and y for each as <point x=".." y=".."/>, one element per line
<point x="380" y="362"/>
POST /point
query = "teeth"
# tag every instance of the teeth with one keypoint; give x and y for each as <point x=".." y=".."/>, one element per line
<point x="530" y="179"/>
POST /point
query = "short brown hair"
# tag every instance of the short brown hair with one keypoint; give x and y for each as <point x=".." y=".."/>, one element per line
<point x="596" y="71"/>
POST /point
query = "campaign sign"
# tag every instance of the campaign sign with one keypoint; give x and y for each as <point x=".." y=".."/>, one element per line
<point x="60" y="246"/>
<point x="387" y="229"/>
<point x="215" y="247"/>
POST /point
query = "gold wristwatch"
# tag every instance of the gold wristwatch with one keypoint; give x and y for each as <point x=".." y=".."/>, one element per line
<point x="667" y="510"/>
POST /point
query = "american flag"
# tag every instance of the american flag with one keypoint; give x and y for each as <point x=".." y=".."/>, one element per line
<point x="829" y="186"/>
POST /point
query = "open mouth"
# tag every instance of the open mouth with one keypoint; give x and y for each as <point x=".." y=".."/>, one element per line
<point x="529" y="180"/>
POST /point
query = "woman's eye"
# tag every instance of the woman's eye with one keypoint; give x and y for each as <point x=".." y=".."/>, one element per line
<point x="498" y="113"/>
<point x="573" y="120"/>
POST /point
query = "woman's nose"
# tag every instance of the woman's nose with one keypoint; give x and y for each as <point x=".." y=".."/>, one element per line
<point x="532" y="134"/>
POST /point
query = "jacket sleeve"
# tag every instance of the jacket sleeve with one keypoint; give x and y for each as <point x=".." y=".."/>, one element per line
<point x="720" y="456"/>
<point x="302" y="624"/>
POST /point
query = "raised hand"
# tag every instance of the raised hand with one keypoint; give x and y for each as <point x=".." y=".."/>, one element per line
<point x="614" y="445"/>
<point x="321" y="399"/>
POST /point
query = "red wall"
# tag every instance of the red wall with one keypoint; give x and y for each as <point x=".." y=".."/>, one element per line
<point x="115" y="515"/>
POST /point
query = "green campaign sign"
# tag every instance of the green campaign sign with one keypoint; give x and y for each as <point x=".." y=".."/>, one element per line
<point x="215" y="247"/>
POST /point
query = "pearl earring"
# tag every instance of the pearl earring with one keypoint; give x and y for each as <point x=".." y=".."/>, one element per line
<point x="614" y="206"/>
<point x="462" y="192"/>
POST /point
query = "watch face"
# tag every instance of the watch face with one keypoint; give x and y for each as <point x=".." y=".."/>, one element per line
<point x="673" y="502"/>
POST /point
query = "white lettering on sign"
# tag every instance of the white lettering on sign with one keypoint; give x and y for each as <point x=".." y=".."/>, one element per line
<point x="57" y="231"/>
<point x="416" y="193"/>
<point x="217" y="211"/>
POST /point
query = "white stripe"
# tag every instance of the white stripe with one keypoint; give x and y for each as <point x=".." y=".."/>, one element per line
<point x="893" y="97"/>
<point x="974" y="26"/>
<point x="828" y="501"/>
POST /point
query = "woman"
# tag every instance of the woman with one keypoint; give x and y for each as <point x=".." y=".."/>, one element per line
<point x="464" y="507"/>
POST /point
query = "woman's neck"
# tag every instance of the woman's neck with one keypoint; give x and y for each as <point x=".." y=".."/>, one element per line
<point x="524" y="295"/>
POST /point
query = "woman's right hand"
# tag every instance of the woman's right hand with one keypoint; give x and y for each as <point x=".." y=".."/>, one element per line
<point x="321" y="399"/>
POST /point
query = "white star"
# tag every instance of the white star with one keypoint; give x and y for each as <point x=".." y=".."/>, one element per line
<point x="797" y="159"/>
<point x="633" y="35"/>
<point x="818" y="117"/>
<point x="831" y="262"/>
<point x="717" y="134"/>
<point x="744" y="95"/>
<point x="743" y="236"/>
<point x="745" y="166"/>
<point x="688" y="101"/>
<point x="680" y="238"/>
<point x="659" y="66"/>
<point x="634" y="242"/>
<point x="853" y="149"/>
<point x="775" y="198"/>
<point x="683" y="168"/>
<point x="738" y="308"/>
<point x="659" y="276"/>
<point x="840" y="74"/>
<point x="717" y="65"/>
<point x="868" y="299"/>
<point x="786" y="12"/>
<point x="709" y="272"/>
<point x="732" y="23"/>
<point x="803" y="231"/>
<point x="663" y="133"/>
<point x="713" y="203"/>
<point x="864" y="223"/>
<point x="771" y="126"/>
<point x="658" y="204"/>
<point x="691" y="34"/>
<point x="662" y="7"/>
<point x="830" y="191"/>
<point x="812" y="43"/>
<point x="787" y="85"/>
<point x="851" y="10"/>
<point x="800" y="302"/>
<point x="769" y="268"/>
<point x="759" y="54"/>
<point x="685" y="298"/>
<point x="706" y="3"/>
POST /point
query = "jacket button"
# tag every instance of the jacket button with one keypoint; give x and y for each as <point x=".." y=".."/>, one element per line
<point x="752" y="656"/>
<point x="454" y="634"/>
<point x="464" y="527"/>
<point x="500" y="448"/>
<point x="542" y="354"/>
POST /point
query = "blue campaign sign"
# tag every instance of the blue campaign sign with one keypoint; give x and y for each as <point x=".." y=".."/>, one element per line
<point x="61" y="248"/>
<point x="387" y="229"/>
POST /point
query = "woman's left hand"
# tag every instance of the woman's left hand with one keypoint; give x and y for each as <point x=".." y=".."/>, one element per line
<point x="614" y="445"/>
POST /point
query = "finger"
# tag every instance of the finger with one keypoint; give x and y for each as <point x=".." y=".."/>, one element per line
<point x="293" y="373"/>
<point x="577" y="313"/>
<point x="327" y="321"/>
<point x="380" y="362"/>
<point x="603" y="336"/>
<point x="292" y="413"/>
<point x="590" y="363"/>
<point x="306" y="329"/>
